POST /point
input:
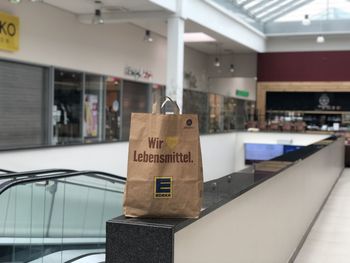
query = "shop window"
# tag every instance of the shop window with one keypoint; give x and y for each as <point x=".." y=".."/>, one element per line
<point x="230" y="116"/>
<point x="216" y="113"/>
<point x="113" y="108"/>
<point x="23" y="103"/>
<point x="67" y="109"/>
<point x="250" y="111"/>
<point x="240" y="114"/>
<point x="195" y="102"/>
<point x="136" y="98"/>
<point x="93" y="101"/>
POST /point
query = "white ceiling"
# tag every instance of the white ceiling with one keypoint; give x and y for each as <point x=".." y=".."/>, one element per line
<point x="88" y="6"/>
<point x="158" y="26"/>
<point x="225" y="45"/>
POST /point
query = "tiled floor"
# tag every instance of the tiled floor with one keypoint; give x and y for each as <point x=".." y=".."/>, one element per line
<point x="329" y="239"/>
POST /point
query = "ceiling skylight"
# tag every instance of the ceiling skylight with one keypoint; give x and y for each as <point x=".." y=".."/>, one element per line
<point x="317" y="10"/>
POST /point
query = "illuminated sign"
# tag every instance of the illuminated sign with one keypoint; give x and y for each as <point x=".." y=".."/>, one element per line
<point x="242" y="93"/>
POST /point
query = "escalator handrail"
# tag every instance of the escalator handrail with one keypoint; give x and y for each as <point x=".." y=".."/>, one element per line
<point x="6" y="171"/>
<point x="84" y="256"/>
<point x="6" y="185"/>
<point x="15" y="175"/>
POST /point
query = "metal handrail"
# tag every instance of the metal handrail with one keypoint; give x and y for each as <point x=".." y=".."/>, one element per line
<point x="16" y="175"/>
<point x="115" y="178"/>
<point x="6" y="171"/>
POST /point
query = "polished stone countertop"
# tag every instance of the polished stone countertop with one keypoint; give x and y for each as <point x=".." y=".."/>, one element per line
<point x="223" y="190"/>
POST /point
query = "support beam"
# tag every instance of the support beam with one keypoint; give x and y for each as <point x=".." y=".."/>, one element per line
<point x="260" y="4"/>
<point x="280" y="8"/>
<point x="246" y="2"/>
<point x="126" y="17"/>
<point x="175" y="59"/>
<point x="235" y="8"/>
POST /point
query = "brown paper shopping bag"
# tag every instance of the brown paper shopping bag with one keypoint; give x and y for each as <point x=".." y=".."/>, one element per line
<point x="165" y="177"/>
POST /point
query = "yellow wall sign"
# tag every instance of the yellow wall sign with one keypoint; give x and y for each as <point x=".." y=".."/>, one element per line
<point x="9" y="32"/>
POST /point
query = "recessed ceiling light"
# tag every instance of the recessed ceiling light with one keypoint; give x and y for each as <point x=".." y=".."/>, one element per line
<point x="198" y="37"/>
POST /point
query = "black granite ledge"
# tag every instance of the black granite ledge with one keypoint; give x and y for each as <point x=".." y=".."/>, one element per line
<point x="139" y="243"/>
<point x="223" y="190"/>
<point x="216" y="193"/>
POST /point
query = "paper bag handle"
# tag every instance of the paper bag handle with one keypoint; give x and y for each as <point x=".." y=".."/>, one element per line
<point x="176" y="109"/>
<point x="156" y="109"/>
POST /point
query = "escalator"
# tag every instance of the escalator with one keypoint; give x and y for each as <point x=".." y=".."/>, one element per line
<point x="57" y="215"/>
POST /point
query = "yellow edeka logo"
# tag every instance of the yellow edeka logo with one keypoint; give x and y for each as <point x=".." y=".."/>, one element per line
<point x="163" y="187"/>
<point x="171" y="141"/>
<point x="9" y="32"/>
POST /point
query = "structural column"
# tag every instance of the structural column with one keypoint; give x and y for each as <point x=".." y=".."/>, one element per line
<point x="175" y="59"/>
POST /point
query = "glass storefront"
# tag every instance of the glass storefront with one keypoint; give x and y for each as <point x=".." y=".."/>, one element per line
<point x="113" y="108"/>
<point x="195" y="102"/>
<point x="93" y="101"/>
<point x="67" y="109"/>
<point x="72" y="107"/>
<point x="216" y="113"/>
<point x="136" y="98"/>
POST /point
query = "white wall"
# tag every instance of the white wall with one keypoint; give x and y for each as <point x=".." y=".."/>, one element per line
<point x="222" y="154"/>
<point x="245" y="66"/>
<point x="52" y="36"/>
<point x="222" y="81"/>
<point x="196" y="62"/>
<point x="113" y="157"/>
<point x="307" y="43"/>
<point x="228" y="87"/>
<point x="265" y="224"/>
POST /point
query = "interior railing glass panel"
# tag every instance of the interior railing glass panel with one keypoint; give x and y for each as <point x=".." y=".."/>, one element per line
<point x="56" y="220"/>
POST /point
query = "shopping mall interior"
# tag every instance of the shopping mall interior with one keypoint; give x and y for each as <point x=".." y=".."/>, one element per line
<point x="269" y="82"/>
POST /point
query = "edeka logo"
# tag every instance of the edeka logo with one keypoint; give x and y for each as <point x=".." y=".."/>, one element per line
<point x="171" y="141"/>
<point x="163" y="187"/>
<point x="9" y="32"/>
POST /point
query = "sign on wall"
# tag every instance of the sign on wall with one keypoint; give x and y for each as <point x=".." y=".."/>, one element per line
<point x="242" y="93"/>
<point x="9" y="32"/>
<point x="138" y="73"/>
